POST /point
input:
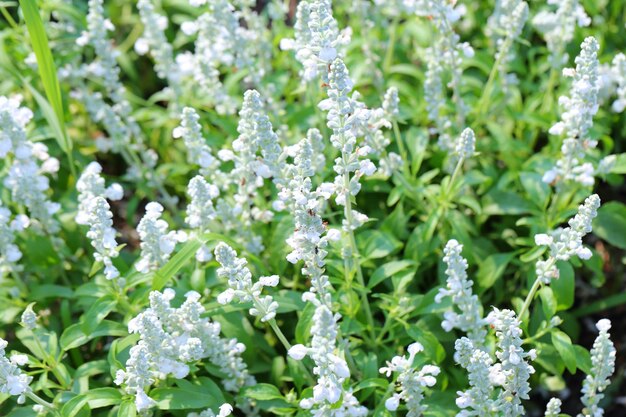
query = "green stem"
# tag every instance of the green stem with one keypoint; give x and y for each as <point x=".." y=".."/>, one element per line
<point x="455" y="174"/>
<point x="484" y="98"/>
<point x="548" y="96"/>
<point x="279" y="333"/>
<point x="390" y="46"/>
<point x="533" y="291"/>
<point x="36" y="398"/>
<point x="354" y="251"/>
<point x="406" y="166"/>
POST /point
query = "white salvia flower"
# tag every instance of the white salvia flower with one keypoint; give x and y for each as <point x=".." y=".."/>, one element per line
<point x="91" y="185"/>
<point x="459" y="289"/>
<point x="12" y="380"/>
<point x="198" y="152"/>
<point x="10" y="253"/>
<point x="157" y="243"/>
<point x="602" y="367"/>
<point x="618" y="70"/>
<point x="240" y="282"/>
<point x="172" y="338"/>
<point x="200" y="211"/>
<point x="154" y="41"/>
<point x="483" y="377"/>
<point x="553" y="409"/>
<point x="567" y="242"/>
<point x="577" y="118"/>
<point x="29" y="318"/>
<point x="102" y="234"/>
<point x="391" y="103"/>
<point x="512" y="359"/>
<point x="558" y="27"/>
<point x="505" y="25"/>
<point x="444" y="59"/>
<point x="318" y="40"/>
<point x="465" y="145"/>
<point x="410" y="382"/>
<point x="224" y="411"/>
<point x="24" y="178"/>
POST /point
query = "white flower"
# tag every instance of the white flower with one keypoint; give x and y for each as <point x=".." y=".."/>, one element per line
<point x="459" y="289"/>
<point x="602" y="367"/>
<point x="577" y="118"/>
<point x="553" y="409"/>
<point x="410" y="382"/>
<point x="298" y="352"/>
<point x="240" y="282"/>
<point x="172" y="338"/>
<point x="567" y="242"/>
<point x="102" y="234"/>
<point x="157" y="243"/>
<point x="29" y="318"/>
<point x="12" y="380"/>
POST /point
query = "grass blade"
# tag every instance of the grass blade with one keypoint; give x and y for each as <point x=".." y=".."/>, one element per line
<point x="47" y="72"/>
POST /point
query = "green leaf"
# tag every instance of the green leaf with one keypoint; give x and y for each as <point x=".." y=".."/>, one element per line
<point x="303" y="328"/>
<point x="548" y="302"/>
<point x="73" y="406"/>
<point x="492" y="268"/>
<point x="564" y="287"/>
<point x="98" y="311"/>
<point x="583" y="359"/>
<point x="563" y="345"/>
<point x="167" y="271"/>
<point x="379" y="244"/>
<point x="103" y="397"/>
<point x="537" y="190"/>
<point x="74" y="336"/>
<point x="47" y="69"/>
<point x="180" y="399"/>
<point x="261" y="392"/>
<point x="387" y="270"/>
<point x="127" y="409"/>
<point x="610" y="224"/>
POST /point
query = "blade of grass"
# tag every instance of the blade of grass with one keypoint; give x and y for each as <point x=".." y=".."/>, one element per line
<point x="48" y="73"/>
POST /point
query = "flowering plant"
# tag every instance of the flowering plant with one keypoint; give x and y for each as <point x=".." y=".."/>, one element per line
<point x="329" y="209"/>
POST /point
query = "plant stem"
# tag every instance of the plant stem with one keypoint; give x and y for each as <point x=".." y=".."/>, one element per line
<point x="455" y="174"/>
<point x="279" y="333"/>
<point x="36" y="398"/>
<point x="484" y="98"/>
<point x="533" y="291"/>
<point x="390" y="46"/>
<point x="354" y="251"/>
<point x="406" y="167"/>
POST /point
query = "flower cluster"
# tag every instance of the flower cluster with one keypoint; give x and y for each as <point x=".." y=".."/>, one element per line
<point x="200" y="211"/>
<point x="459" y="289"/>
<point x="512" y="372"/>
<point x="618" y="70"/>
<point x="411" y="382"/>
<point x="558" y="27"/>
<point x="553" y="409"/>
<point x="240" y="284"/>
<point x="25" y="179"/>
<point x="12" y="380"/>
<point x="153" y="40"/>
<point x="602" y="367"/>
<point x="444" y="58"/>
<point x="157" y="243"/>
<point x="10" y="253"/>
<point x="170" y="339"/>
<point x="318" y="39"/>
<point x="577" y="119"/>
<point x="102" y="235"/>
<point x="91" y="185"/>
<point x="505" y="25"/>
<point x="567" y="242"/>
<point x="198" y="152"/>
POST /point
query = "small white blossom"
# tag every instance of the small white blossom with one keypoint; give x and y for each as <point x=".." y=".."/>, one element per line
<point x="602" y="367"/>
<point x="240" y="282"/>
<point x="553" y="409"/>
<point x="172" y="338"/>
<point x="459" y="289"/>
<point x="558" y="27"/>
<point x="102" y="234"/>
<point x="91" y="185"/>
<point x="577" y="118"/>
<point x="567" y="242"/>
<point x="157" y="243"/>
<point x="198" y="152"/>
<point x="29" y="318"/>
<point x="10" y="253"/>
<point x="411" y="383"/>
<point x="12" y="380"/>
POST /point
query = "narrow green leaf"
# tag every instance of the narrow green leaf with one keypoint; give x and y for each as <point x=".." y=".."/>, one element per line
<point x="163" y="275"/>
<point x="47" y="68"/>
<point x="262" y="392"/>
